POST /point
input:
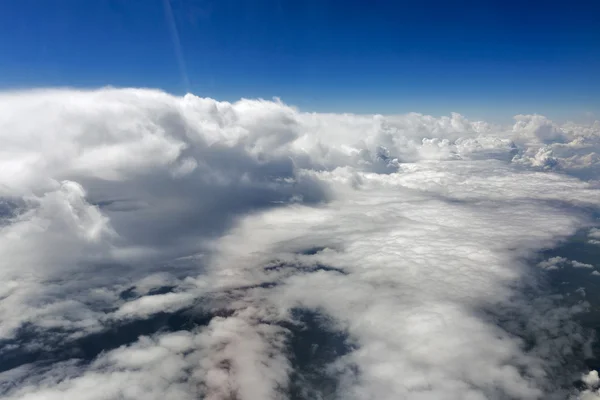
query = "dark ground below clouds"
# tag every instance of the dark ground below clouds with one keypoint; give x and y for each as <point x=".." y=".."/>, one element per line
<point x="312" y="346"/>
<point x="568" y="282"/>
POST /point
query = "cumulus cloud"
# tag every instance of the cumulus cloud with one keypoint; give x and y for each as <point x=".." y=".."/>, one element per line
<point x="570" y="148"/>
<point x="591" y="381"/>
<point x="179" y="247"/>
<point x="577" y="264"/>
<point x="555" y="263"/>
<point x="594" y="236"/>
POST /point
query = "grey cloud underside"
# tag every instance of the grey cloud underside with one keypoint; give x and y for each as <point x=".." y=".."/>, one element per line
<point x="178" y="247"/>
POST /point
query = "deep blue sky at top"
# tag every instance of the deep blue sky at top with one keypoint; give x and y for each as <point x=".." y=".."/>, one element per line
<point x="489" y="59"/>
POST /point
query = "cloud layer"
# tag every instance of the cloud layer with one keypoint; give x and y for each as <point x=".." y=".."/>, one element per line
<point x="179" y="247"/>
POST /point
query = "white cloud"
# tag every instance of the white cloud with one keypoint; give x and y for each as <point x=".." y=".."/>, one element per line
<point x="570" y="148"/>
<point x="149" y="305"/>
<point x="591" y="380"/>
<point x="203" y="227"/>
<point x="577" y="264"/>
<point x="553" y="263"/>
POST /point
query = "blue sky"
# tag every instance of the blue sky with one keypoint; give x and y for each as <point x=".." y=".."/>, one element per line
<point x="485" y="59"/>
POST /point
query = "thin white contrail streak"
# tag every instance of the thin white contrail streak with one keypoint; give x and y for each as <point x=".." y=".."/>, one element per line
<point x="176" y="44"/>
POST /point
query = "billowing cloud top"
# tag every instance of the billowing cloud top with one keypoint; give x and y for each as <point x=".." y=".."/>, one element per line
<point x="179" y="247"/>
